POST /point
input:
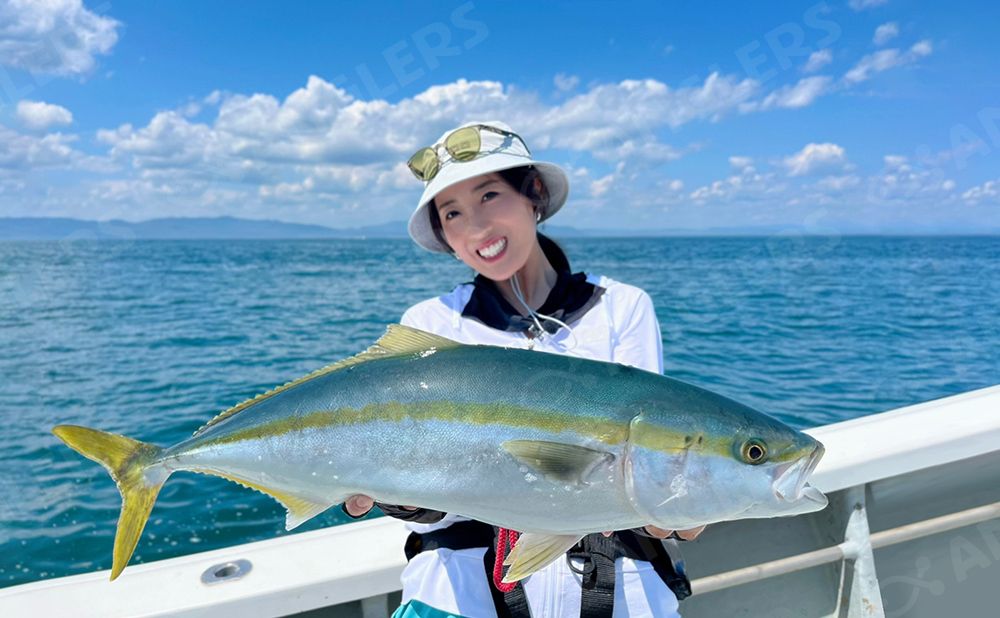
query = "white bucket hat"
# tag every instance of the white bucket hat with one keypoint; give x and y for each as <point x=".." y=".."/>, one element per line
<point x="498" y="152"/>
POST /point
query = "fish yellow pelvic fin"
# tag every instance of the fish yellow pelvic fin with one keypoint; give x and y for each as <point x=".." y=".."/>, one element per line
<point x="556" y="461"/>
<point x="134" y="467"/>
<point x="533" y="552"/>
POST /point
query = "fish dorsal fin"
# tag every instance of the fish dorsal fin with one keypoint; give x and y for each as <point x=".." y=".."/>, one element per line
<point x="398" y="340"/>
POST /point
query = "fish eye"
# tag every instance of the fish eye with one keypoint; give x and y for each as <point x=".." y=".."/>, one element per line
<point x="754" y="451"/>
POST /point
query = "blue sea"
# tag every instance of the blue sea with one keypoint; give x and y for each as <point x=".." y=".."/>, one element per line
<point x="152" y="338"/>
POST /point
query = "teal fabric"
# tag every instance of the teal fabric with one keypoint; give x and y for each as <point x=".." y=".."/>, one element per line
<point x="416" y="609"/>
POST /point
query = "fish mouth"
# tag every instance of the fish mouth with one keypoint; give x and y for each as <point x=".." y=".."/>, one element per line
<point x="790" y="479"/>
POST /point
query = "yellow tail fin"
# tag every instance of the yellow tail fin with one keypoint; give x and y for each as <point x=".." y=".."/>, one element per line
<point x="133" y="466"/>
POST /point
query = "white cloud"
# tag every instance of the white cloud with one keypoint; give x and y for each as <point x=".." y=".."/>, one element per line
<point x="740" y="163"/>
<point x="321" y="155"/>
<point x="814" y="158"/>
<point x="40" y="115"/>
<point x="602" y="185"/>
<point x="886" y="59"/>
<point x="57" y="36"/>
<point x="989" y="191"/>
<point x="801" y="94"/>
<point x="817" y="60"/>
<point x="860" y="5"/>
<point x="646" y="149"/>
<point x="565" y="83"/>
<point x="746" y="186"/>
<point x="837" y="183"/>
<point x="885" y="33"/>
<point x="901" y="180"/>
<point x="25" y="152"/>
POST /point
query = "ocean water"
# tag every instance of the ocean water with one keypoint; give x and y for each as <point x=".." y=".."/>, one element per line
<point x="152" y="338"/>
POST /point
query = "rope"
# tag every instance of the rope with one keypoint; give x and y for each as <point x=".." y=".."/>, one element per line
<point x="504" y="536"/>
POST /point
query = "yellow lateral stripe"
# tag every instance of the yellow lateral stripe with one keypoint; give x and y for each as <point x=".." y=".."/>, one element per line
<point x="607" y="431"/>
<point x="603" y="430"/>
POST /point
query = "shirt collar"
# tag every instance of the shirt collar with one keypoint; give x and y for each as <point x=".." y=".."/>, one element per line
<point x="570" y="298"/>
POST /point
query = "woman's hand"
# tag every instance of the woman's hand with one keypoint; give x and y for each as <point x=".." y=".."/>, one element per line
<point x="358" y="505"/>
<point x="660" y="533"/>
<point x="687" y="535"/>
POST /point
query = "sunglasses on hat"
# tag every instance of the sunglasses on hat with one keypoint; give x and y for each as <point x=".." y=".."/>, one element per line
<point x="461" y="144"/>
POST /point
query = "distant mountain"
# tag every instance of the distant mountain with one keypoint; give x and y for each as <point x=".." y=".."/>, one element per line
<point x="178" y="228"/>
<point x="232" y="228"/>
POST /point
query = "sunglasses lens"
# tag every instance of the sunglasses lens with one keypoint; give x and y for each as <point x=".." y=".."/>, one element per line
<point x="463" y="145"/>
<point x="424" y="164"/>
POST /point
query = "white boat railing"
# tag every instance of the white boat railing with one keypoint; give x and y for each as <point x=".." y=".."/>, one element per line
<point x="361" y="562"/>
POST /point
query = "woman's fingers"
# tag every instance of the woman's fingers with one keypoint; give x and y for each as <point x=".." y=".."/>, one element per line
<point x="688" y="535"/>
<point x="358" y="505"/>
<point x="659" y="533"/>
<point x="691" y="533"/>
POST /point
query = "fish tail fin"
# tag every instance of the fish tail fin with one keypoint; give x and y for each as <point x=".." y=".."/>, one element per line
<point x="135" y="468"/>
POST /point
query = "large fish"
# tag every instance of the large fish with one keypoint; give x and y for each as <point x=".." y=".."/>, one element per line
<point x="554" y="446"/>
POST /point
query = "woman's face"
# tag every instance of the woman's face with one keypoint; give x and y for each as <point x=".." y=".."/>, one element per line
<point x="490" y="226"/>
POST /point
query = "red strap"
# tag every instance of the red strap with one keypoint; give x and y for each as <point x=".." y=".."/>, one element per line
<point x="503" y="537"/>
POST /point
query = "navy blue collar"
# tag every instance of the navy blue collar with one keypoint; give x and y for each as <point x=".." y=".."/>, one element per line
<point x="571" y="297"/>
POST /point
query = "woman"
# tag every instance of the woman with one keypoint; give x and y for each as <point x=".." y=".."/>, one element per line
<point x="483" y="199"/>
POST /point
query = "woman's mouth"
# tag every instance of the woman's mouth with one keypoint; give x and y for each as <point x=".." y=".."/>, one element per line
<point x="493" y="250"/>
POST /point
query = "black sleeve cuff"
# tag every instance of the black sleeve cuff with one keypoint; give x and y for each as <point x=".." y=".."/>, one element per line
<point x="419" y="516"/>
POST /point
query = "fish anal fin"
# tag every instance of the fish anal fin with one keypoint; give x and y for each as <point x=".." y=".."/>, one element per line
<point x="556" y="461"/>
<point x="300" y="509"/>
<point x="397" y="340"/>
<point x="534" y="551"/>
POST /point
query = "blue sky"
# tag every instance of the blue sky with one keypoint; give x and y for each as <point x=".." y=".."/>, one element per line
<point x="856" y="115"/>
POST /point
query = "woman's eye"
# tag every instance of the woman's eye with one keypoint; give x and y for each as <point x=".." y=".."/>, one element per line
<point x="489" y="195"/>
<point x="451" y="214"/>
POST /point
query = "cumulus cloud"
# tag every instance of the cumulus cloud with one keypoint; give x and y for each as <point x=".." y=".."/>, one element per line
<point x="886" y="59"/>
<point x="40" y="115"/>
<point x="901" y="180"/>
<point x="885" y="33"/>
<point x="58" y="36"/>
<point x="746" y="184"/>
<point x="989" y="191"/>
<point x="565" y="83"/>
<point x="801" y="94"/>
<point x="25" y="152"/>
<point x="814" y="158"/>
<point x="817" y="60"/>
<point x="740" y="163"/>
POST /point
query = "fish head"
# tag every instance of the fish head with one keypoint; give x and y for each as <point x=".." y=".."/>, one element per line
<point x="724" y="467"/>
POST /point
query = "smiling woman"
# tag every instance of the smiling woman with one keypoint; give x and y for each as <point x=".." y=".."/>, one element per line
<point x="483" y="199"/>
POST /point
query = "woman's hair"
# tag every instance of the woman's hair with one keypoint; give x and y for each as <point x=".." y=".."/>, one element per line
<point x="522" y="180"/>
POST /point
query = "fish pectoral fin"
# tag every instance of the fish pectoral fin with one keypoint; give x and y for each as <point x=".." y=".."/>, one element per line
<point x="533" y="552"/>
<point x="556" y="461"/>
<point x="299" y="509"/>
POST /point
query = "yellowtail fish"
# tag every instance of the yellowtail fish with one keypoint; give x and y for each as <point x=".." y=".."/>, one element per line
<point x="553" y="446"/>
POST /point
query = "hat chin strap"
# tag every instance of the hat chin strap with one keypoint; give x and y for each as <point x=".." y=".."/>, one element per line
<point x="534" y="315"/>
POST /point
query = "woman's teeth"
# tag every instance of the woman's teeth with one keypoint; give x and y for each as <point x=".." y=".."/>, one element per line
<point x="494" y="249"/>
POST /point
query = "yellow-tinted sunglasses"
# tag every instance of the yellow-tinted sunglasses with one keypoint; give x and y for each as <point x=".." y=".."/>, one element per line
<point x="461" y="144"/>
